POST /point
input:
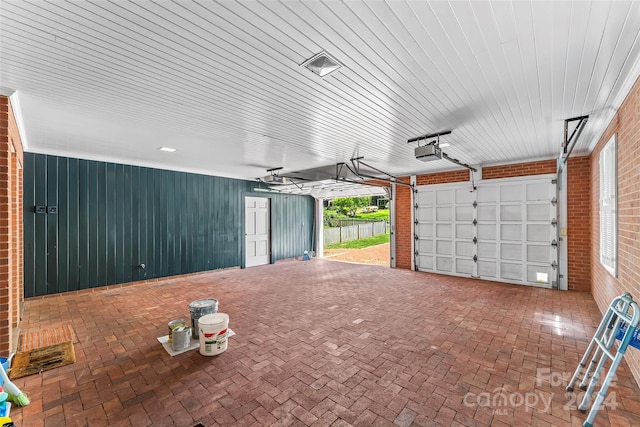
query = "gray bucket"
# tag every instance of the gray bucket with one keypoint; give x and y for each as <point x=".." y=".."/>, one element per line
<point x="200" y="308"/>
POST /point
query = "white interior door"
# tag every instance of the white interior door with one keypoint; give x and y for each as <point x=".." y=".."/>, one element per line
<point x="504" y="231"/>
<point x="257" y="228"/>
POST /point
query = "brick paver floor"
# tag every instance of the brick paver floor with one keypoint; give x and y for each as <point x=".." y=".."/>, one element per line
<point x="323" y="343"/>
<point x="378" y="255"/>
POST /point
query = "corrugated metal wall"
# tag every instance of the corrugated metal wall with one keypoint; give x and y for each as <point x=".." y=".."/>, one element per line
<point x="111" y="218"/>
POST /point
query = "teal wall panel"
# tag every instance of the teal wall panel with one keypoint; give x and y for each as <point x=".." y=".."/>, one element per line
<point x="111" y="218"/>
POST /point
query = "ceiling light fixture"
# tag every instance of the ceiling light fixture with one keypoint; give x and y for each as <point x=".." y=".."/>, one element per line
<point x="167" y="149"/>
<point x="322" y="64"/>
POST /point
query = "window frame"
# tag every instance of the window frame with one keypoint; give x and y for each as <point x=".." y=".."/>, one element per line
<point x="608" y="202"/>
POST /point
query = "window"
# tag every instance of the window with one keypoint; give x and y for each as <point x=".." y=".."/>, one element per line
<point x="609" y="206"/>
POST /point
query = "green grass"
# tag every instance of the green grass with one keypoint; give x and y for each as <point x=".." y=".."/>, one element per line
<point x="362" y="243"/>
<point x="380" y="214"/>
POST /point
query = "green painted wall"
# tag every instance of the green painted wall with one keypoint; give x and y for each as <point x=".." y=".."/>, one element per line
<point x="111" y="218"/>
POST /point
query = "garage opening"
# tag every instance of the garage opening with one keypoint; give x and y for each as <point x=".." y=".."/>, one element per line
<point x="354" y="212"/>
<point x="357" y="229"/>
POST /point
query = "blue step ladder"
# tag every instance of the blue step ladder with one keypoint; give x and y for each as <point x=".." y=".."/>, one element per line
<point x="619" y="322"/>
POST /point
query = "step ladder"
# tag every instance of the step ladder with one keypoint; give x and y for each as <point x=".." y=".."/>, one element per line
<point x="620" y="321"/>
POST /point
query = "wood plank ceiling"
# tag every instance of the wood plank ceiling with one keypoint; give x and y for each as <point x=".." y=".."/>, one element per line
<point x="222" y="83"/>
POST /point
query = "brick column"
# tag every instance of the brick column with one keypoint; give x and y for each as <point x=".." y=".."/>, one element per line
<point x="6" y="246"/>
<point x="11" y="244"/>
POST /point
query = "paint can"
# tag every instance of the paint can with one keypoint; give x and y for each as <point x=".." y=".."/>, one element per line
<point x="201" y="308"/>
<point x="175" y="324"/>
<point x="181" y="338"/>
<point x="214" y="331"/>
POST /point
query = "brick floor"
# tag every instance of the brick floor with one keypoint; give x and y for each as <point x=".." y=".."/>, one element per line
<point x="323" y="343"/>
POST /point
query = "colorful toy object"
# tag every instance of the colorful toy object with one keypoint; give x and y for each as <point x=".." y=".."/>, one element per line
<point x="15" y="394"/>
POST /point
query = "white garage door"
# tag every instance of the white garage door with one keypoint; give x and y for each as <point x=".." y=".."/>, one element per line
<point x="504" y="231"/>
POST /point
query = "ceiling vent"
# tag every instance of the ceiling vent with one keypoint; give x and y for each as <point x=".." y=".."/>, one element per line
<point x="322" y="64"/>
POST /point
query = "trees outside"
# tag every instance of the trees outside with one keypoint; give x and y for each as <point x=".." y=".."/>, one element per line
<point x="349" y="206"/>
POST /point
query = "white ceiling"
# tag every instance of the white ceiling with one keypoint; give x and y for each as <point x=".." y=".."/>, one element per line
<point x="221" y="81"/>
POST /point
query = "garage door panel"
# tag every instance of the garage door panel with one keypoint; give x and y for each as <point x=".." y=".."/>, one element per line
<point x="425" y="230"/>
<point x="466" y="249"/>
<point x="539" y="212"/>
<point x="511" y="213"/>
<point x="539" y="191"/>
<point x="444" y="213"/>
<point x="443" y="230"/>
<point x="444" y="197"/>
<point x="464" y="231"/>
<point x="444" y="264"/>
<point x="425" y="262"/>
<point x="487" y="232"/>
<point x="486" y="212"/>
<point x="464" y="196"/>
<point x="538" y="232"/>
<point x="444" y="247"/>
<point x="540" y="274"/>
<point x="511" y="193"/>
<point x="424" y="246"/>
<point x="464" y="213"/>
<point x="487" y="250"/>
<point x="487" y="194"/>
<point x="487" y="269"/>
<point x="511" y="271"/>
<point x="512" y="232"/>
<point x="425" y="197"/>
<point x="464" y="266"/>
<point x="424" y="214"/>
<point x="511" y="251"/>
<point x="539" y="254"/>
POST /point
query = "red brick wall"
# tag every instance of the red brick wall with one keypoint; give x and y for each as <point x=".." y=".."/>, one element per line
<point x="443" y="178"/>
<point x="579" y="223"/>
<point x="11" y="262"/>
<point x="519" y="169"/>
<point x="605" y="287"/>
<point x="403" y="226"/>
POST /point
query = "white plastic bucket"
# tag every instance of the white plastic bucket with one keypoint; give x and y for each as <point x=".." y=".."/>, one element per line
<point x="214" y="330"/>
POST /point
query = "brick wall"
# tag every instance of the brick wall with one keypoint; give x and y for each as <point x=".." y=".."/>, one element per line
<point x="403" y="226"/>
<point x="11" y="258"/>
<point x="579" y="223"/>
<point x="443" y="178"/>
<point x="519" y="169"/>
<point x="605" y="287"/>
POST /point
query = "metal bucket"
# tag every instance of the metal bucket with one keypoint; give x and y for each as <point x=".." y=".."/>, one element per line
<point x="175" y="324"/>
<point x="200" y="308"/>
<point x="181" y="338"/>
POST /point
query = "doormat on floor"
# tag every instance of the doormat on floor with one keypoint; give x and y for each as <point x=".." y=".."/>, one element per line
<point x="35" y="338"/>
<point x="41" y="359"/>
